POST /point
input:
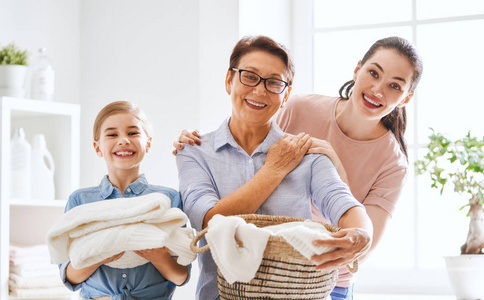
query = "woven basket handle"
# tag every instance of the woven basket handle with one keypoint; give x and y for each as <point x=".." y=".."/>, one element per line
<point x="193" y="244"/>
<point x="354" y="268"/>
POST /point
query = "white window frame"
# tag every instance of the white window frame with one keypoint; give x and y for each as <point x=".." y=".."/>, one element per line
<point x="412" y="280"/>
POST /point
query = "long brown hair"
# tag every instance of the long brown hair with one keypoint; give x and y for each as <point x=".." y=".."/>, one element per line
<point x="396" y="121"/>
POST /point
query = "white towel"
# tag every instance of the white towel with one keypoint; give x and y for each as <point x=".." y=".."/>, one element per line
<point x="16" y="281"/>
<point x="22" y="254"/>
<point x="301" y="235"/>
<point x="224" y="237"/>
<point x="34" y="271"/>
<point x="41" y="293"/>
<point x="92" y="232"/>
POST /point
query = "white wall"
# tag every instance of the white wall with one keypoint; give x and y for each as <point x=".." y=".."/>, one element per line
<point x="147" y="54"/>
<point x="54" y="24"/>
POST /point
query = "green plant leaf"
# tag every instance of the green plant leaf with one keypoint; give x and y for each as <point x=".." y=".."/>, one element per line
<point x="11" y="55"/>
<point x="460" y="162"/>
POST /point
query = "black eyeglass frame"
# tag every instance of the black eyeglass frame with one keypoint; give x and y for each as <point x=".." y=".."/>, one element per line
<point x="260" y="79"/>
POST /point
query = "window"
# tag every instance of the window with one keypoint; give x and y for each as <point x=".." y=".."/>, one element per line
<point x="426" y="226"/>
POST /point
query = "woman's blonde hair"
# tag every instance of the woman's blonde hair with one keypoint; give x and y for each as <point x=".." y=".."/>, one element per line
<point x="119" y="107"/>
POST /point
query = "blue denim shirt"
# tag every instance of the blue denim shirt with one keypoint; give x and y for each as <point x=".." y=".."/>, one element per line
<point x="142" y="282"/>
<point x="220" y="166"/>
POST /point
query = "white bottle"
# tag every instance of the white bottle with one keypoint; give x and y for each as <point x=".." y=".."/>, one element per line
<point x="42" y="170"/>
<point x="20" y="165"/>
<point x="42" y="87"/>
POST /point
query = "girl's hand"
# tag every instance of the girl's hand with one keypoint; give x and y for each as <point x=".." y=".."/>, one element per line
<point x="187" y="137"/>
<point x="284" y="155"/>
<point x="76" y="276"/>
<point x="111" y="259"/>
<point x="349" y="244"/>
<point x="154" y="255"/>
<point x="324" y="147"/>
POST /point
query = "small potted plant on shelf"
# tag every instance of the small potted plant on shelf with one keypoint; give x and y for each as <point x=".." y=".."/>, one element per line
<point x="13" y="71"/>
<point x="460" y="163"/>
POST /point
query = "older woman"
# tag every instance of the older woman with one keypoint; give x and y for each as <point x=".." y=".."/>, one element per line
<point x="249" y="166"/>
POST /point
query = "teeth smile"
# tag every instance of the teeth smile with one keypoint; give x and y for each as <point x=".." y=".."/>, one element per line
<point x="371" y="101"/>
<point x="125" y="153"/>
<point x="255" y="104"/>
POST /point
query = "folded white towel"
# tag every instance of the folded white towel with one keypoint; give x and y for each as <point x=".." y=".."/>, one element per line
<point x="301" y="235"/>
<point x="92" y="232"/>
<point x="22" y="254"/>
<point x="16" y="281"/>
<point x="236" y="247"/>
<point x="41" y="293"/>
<point x="29" y="271"/>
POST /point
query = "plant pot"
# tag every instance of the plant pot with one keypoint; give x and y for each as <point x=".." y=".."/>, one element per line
<point x="12" y="80"/>
<point x="466" y="275"/>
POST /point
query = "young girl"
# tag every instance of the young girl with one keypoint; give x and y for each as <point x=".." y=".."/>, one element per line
<point x="362" y="132"/>
<point x="121" y="137"/>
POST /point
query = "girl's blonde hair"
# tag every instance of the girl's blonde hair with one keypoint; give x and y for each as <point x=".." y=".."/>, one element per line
<point x="119" y="107"/>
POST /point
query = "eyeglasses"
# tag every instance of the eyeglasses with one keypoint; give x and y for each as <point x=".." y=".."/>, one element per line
<point x="272" y="85"/>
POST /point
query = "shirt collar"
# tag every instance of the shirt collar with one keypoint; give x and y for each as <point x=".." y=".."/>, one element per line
<point x="137" y="186"/>
<point x="223" y="137"/>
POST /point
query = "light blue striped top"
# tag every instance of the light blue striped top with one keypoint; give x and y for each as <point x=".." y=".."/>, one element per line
<point x="220" y="166"/>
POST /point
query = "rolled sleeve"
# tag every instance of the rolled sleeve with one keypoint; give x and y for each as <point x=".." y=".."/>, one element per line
<point x="189" y="270"/>
<point x="196" y="188"/>
<point x="386" y="191"/>
<point x="62" y="269"/>
<point x="329" y="193"/>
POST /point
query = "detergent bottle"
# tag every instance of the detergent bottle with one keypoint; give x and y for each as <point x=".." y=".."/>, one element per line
<point x="42" y="170"/>
<point x="20" y="165"/>
<point x="42" y="87"/>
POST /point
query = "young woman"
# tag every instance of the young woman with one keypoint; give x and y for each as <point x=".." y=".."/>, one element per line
<point x="361" y="132"/>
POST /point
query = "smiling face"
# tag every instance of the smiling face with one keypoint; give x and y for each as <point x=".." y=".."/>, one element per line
<point x="382" y="83"/>
<point x="123" y="143"/>
<point x="255" y="106"/>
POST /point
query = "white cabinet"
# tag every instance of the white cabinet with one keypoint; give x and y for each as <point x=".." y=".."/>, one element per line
<point x="26" y="221"/>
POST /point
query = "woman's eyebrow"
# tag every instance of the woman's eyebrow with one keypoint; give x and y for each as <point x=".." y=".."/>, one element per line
<point x="378" y="66"/>
<point x="381" y="69"/>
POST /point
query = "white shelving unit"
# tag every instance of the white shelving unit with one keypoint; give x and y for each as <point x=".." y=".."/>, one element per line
<point x="26" y="221"/>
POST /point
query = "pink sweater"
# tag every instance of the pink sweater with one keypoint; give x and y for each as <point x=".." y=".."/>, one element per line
<point x="376" y="169"/>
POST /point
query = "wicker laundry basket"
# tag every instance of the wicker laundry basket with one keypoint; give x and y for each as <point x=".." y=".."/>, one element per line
<point x="283" y="274"/>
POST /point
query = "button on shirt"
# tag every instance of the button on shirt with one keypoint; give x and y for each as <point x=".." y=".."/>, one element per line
<point x="142" y="282"/>
<point x="220" y="166"/>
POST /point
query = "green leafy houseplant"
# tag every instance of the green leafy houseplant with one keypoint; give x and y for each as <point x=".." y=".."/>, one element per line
<point x="464" y="167"/>
<point x="12" y="55"/>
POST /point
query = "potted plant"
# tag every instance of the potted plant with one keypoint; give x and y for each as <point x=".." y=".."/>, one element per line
<point x="13" y="71"/>
<point x="460" y="163"/>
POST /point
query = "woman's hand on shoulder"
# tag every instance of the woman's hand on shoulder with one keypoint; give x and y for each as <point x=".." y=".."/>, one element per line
<point x="321" y="147"/>
<point x="285" y="154"/>
<point x="186" y="137"/>
<point x="349" y="243"/>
